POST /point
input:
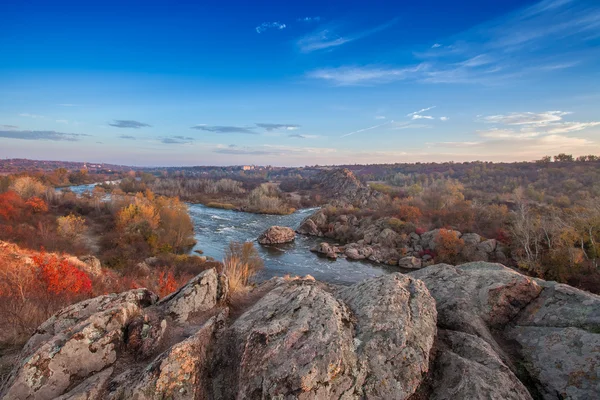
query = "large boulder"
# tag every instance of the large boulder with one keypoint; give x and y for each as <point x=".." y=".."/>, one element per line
<point x="201" y="294"/>
<point x="74" y="345"/>
<point x="547" y="333"/>
<point x="559" y="338"/>
<point x="467" y="367"/>
<point x="277" y="235"/>
<point x="326" y="249"/>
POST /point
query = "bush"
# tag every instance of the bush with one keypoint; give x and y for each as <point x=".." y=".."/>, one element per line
<point x="448" y="246"/>
<point x="241" y="263"/>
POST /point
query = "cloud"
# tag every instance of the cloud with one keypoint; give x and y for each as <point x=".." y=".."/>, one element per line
<point x="128" y="137"/>
<point x="367" y="129"/>
<point x="527" y="125"/>
<point x="41" y="135"/>
<point x="62" y="121"/>
<point x="272" y="150"/>
<point x="27" y="115"/>
<point x="300" y="136"/>
<point x="309" y="19"/>
<point x="444" y="118"/>
<point x="68" y="105"/>
<point x="271" y="127"/>
<point x="177" y="140"/>
<point x="269" y="25"/>
<point x="9" y="127"/>
<point x="125" y="123"/>
<point x="420" y="111"/>
<point x="348" y="76"/>
<point x="526" y="118"/>
<point x="436" y="45"/>
<point x="417" y="116"/>
<point x="380" y="117"/>
<point x="409" y="125"/>
<point x="330" y="38"/>
<point x="224" y="129"/>
<point x="455" y="144"/>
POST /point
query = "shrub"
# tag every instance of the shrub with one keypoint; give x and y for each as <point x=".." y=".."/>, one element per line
<point x="241" y="263"/>
<point x="448" y="246"/>
<point x="71" y="226"/>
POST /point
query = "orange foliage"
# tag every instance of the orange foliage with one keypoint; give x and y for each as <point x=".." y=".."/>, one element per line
<point x="167" y="283"/>
<point x="409" y="213"/>
<point x="60" y="277"/>
<point x="448" y="246"/>
<point x="37" y="205"/>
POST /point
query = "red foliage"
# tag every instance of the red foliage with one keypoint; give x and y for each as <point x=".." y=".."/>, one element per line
<point x="60" y="277"/>
<point x="11" y="205"/>
<point x="503" y="236"/>
<point x="420" y="231"/>
<point x="167" y="283"/>
<point x="37" y="205"/>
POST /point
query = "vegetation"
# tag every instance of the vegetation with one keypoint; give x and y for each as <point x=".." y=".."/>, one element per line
<point x="241" y="263"/>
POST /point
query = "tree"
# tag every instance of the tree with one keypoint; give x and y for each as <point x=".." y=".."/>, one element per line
<point x="71" y="226"/>
<point x="26" y="187"/>
<point x="562" y="157"/>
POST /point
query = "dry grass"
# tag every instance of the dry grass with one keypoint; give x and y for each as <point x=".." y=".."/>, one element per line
<point x="241" y="263"/>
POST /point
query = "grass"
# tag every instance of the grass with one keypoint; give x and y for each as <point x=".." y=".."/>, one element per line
<point x="225" y="206"/>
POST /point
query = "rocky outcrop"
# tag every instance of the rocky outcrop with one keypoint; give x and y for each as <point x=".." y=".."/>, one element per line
<point x="300" y="339"/>
<point x="277" y="235"/>
<point x="474" y="331"/>
<point x="546" y="333"/>
<point x="328" y="250"/>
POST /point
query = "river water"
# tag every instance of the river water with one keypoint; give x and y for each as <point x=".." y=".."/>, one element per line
<point x="215" y="228"/>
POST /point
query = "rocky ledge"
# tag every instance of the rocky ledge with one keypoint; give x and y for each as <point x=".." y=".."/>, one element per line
<point x="277" y="235"/>
<point x="475" y="331"/>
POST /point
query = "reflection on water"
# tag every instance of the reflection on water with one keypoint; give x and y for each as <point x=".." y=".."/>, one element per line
<point x="215" y="228"/>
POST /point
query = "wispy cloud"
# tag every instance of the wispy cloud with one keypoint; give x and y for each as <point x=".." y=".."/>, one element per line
<point x="526" y="125"/>
<point x="349" y="76"/>
<point x="526" y="118"/>
<point x="269" y="25"/>
<point x="224" y="129"/>
<point x="41" y="135"/>
<point x="28" y="115"/>
<point x="545" y="38"/>
<point x="128" y="137"/>
<point x="300" y="136"/>
<point x="272" y="150"/>
<point x="62" y="121"/>
<point x="367" y="129"/>
<point x="420" y="111"/>
<point x="9" y="127"/>
<point x="126" y="123"/>
<point x="68" y="105"/>
<point x="417" y="116"/>
<point x="273" y="127"/>
<point x="177" y="140"/>
<point x="444" y="118"/>
<point x="329" y="38"/>
<point x="309" y="19"/>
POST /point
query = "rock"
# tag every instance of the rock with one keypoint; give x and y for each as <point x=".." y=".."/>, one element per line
<point x="559" y="335"/>
<point x="325" y="248"/>
<point x="468" y="368"/>
<point x="353" y="254"/>
<point x="427" y="257"/>
<point x="428" y="239"/>
<point x="388" y="238"/>
<point x="386" y="255"/>
<point x="487" y="246"/>
<point x="200" y="294"/>
<point x="472" y="239"/>
<point x="92" y="265"/>
<point x="394" y="336"/>
<point x="90" y="389"/>
<point x="178" y="373"/>
<point x="477" y="296"/>
<point x="277" y="235"/>
<point x="77" y="349"/>
<point x="310" y="228"/>
<point x="410" y="262"/>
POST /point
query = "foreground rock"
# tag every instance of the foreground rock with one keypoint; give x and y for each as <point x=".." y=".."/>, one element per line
<point x="547" y="333"/>
<point x="277" y="235"/>
<point x="474" y="331"/>
<point x="301" y="339"/>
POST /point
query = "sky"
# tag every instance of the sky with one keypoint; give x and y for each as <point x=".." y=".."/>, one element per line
<point x="293" y="83"/>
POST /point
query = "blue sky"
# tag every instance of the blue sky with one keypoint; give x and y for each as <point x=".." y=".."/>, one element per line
<point x="298" y="83"/>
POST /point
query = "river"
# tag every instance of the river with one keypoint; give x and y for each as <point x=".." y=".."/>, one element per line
<point x="214" y="228"/>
